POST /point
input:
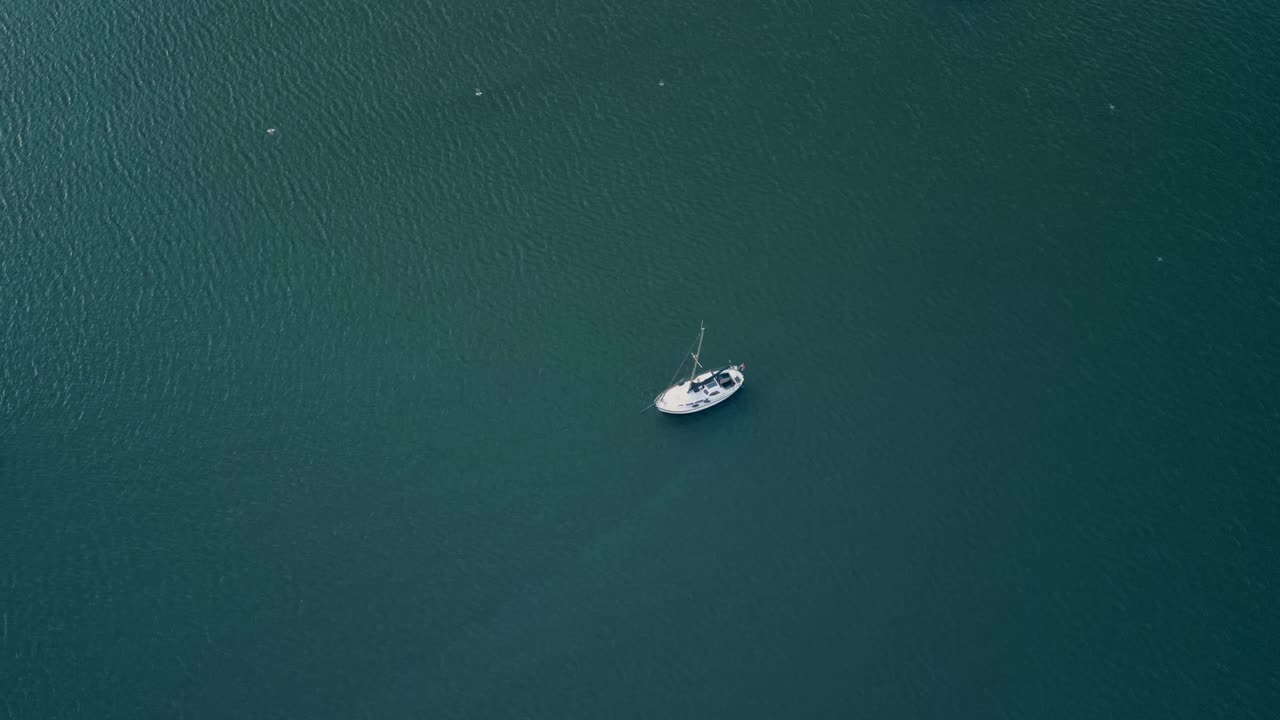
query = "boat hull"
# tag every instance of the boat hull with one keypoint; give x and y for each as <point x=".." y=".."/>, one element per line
<point x="704" y="391"/>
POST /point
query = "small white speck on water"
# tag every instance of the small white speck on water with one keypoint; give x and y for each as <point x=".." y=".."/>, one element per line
<point x="478" y="93"/>
<point x="662" y="83"/>
<point x="1111" y="107"/>
<point x="271" y="131"/>
<point x="1159" y="258"/>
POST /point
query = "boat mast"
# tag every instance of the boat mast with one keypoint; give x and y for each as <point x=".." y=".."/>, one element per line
<point x="701" y="330"/>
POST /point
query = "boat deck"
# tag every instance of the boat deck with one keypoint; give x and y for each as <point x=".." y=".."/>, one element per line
<point x="709" y="388"/>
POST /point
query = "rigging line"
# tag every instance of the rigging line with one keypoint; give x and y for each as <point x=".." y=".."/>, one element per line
<point x="677" y="373"/>
<point x="682" y="362"/>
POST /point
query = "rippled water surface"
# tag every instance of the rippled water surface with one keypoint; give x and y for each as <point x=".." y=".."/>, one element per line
<point x="327" y="327"/>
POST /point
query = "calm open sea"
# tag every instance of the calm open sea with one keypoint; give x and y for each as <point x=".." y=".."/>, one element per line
<point x="325" y="329"/>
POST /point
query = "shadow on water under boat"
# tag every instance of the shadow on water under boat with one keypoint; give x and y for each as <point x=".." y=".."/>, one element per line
<point x="703" y="444"/>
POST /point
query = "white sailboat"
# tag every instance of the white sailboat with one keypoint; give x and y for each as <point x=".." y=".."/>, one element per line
<point x="701" y="390"/>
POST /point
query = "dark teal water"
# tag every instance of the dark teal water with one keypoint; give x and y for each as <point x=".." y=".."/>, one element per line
<point x="343" y="420"/>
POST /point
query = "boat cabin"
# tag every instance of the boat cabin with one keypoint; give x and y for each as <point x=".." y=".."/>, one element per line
<point x="719" y="379"/>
